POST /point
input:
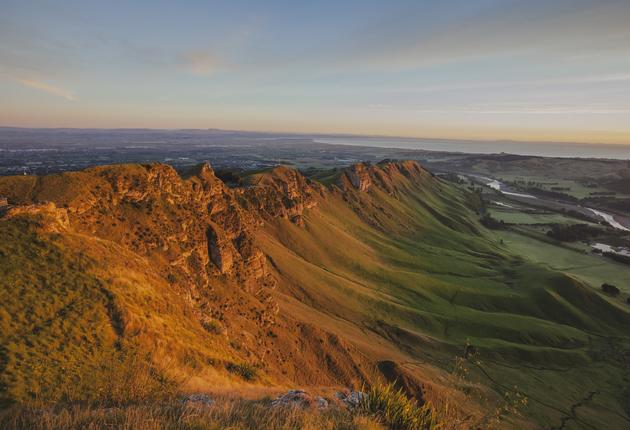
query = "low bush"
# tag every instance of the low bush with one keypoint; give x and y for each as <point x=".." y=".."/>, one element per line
<point x="244" y="370"/>
<point x="212" y="326"/>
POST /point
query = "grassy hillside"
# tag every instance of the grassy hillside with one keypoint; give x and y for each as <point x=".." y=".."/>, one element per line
<point x="54" y="314"/>
<point x="80" y="316"/>
<point x="286" y="282"/>
<point x="416" y="272"/>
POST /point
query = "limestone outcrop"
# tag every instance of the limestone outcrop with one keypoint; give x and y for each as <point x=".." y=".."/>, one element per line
<point x="281" y="193"/>
<point x="362" y="176"/>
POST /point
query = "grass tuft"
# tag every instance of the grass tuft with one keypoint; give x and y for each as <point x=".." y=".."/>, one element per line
<point x="394" y="409"/>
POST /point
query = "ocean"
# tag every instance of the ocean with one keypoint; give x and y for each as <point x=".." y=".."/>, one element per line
<point x="544" y="149"/>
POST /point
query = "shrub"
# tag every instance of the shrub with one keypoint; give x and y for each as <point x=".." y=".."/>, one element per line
<point x="489" y="222"/>
<point x="610" y="289"/>
<point x="212" y="326"/>
<point x="573" y="232"/>
<point x="394" y="409"/>
<point x="244" y="370"/>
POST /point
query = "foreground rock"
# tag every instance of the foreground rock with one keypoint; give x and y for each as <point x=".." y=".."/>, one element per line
<point x="301" y="399"/>
<point x="351" y="399"/>
<point x="197" y="399"/>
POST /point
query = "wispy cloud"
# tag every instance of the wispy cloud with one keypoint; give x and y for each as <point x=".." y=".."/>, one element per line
<point x="50" y="89"/>
<point x="530" y="111"/>
<point x="202" y="62"/>
<point x="511" y="110"/>
<point x="491" y="29"/>
<point x="557" y="82"/>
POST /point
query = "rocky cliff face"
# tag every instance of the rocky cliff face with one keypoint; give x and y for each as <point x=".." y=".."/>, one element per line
<point x="359" y="176"/>
<point x="195" y="223"/>
<point x="385" y="175"/>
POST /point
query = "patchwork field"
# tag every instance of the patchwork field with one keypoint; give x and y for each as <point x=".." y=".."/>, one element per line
<point x="515" y="216"/>
<point x="591" y="268"/>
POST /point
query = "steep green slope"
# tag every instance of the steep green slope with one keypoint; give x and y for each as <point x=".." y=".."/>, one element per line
<point x="416" y="269"/>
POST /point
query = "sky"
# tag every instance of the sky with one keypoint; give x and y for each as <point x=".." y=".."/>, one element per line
<point x="553" y="70"/>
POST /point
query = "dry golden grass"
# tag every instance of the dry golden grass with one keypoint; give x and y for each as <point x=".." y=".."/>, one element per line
<point x="222" y="414"/>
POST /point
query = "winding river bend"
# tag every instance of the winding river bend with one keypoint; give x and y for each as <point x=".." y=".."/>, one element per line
<point x="610" y="219"/>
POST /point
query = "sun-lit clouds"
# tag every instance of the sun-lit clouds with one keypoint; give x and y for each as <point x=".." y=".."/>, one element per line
<point x="47" y="88"/>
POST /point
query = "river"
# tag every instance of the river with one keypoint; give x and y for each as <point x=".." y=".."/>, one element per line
<point x="609" y="219"/>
